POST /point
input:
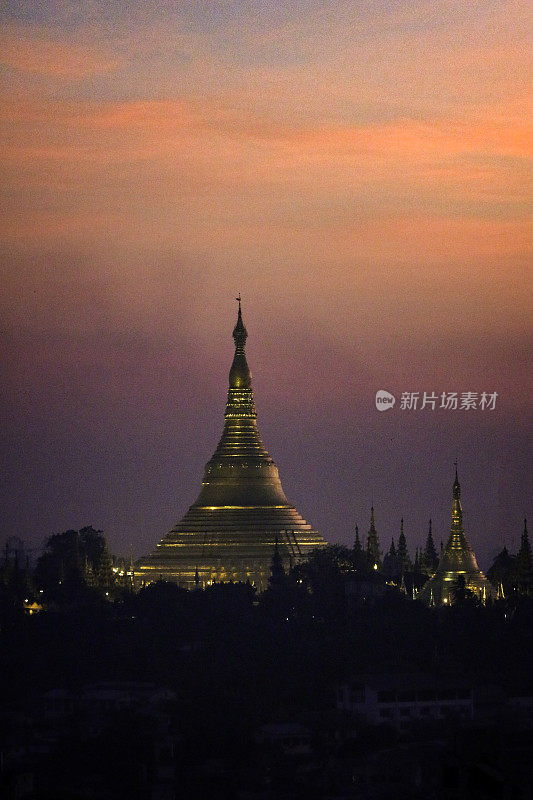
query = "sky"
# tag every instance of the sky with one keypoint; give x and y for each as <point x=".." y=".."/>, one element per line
<point x="359" y="171"/>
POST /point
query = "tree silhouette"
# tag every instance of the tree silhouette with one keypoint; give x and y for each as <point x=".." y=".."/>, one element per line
<point x="74" y="561"/>
<point x="359" y="558"/>
<point x="391" y="564"/>
<point x="503" y="572"/>
<point x="524" y="564"/>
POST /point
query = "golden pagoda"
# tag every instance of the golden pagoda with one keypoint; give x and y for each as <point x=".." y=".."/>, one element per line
<point x="230" y="532"/>
<point x="457" y="559"/>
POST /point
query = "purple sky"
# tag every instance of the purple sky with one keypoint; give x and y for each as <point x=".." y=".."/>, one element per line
<point x="359" y="172"/>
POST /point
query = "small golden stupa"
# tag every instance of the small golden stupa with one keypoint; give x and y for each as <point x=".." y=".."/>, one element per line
<point x="457" y="559"/>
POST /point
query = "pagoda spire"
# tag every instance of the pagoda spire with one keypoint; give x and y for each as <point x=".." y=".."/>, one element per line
<point x="457" y="541"/>
<point x="240" y="445"/>
<point x="240" y="376"/>
<point x="239" y="367"/>
<point x="457" y="560"/>
<point x="372" y="543"/>
<point x="457" y="510"/>
<point x="430" y="559"/>
<point x="456" y="484"/>
<point x="403" y="553"/>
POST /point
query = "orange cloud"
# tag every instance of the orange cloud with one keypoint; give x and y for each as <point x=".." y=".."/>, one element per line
<point x="383" y="214"/>
<point x="219" y="181"/>
<point x="153" y="124"/>
<point x="38" y="52"/>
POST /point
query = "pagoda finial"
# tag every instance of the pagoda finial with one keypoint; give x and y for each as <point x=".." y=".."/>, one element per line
<point x="240" y="376"/>
<point x="456" y="484"/>
<point x="239" y="332"/>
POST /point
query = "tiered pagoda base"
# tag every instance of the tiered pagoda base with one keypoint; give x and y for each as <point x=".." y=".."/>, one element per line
<point x="229" y="544"/>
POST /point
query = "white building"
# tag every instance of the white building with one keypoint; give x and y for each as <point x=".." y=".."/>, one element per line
<point x="401" y="700"/>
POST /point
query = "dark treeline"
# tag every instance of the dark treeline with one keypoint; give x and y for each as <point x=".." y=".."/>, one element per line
<point x="233" y="660"/>
<point x="89" y="622"/>
<point x="284" y="649"/>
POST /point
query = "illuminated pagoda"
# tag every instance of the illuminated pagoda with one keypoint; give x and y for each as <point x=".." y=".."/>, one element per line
<point x="457" y="561"/>
<point x="230" y="532"/>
